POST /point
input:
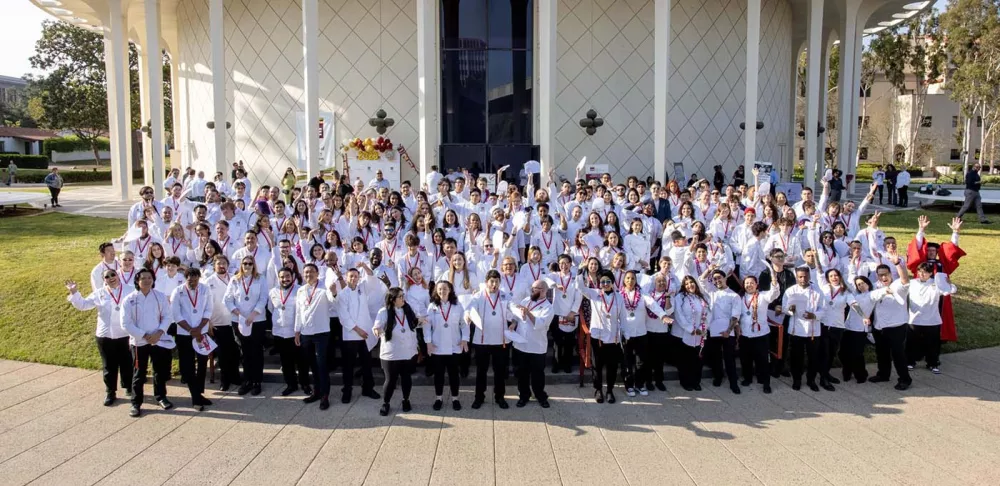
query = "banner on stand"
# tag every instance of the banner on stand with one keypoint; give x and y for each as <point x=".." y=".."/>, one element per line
<point x="326" y="147"/>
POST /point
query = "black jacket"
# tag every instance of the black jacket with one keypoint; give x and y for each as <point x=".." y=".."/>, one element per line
<point x="785" y="279"/>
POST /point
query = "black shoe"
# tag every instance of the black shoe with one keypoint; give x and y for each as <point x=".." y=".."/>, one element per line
<point x="456" y="405"/>
<point x="786" y="373"/>
<point x="775" y="374"/>
<point x="204" y="401"/>
<point x="878" y="379"/>
<point x="134" y="411"/>
<point x="224" y="387"/>
<point x="832" y="380"/>
<point x="902" y="386"/>
<point x="696" y="386"/>
<point x="599" y="396"/>
<point x="827" y="386"/>
<point x="986" y="222"/>
<point x="687" y="387"/>
<point x="198" y="408"/>
<point x="384" y="410"/>
<point x="649" y="385"/>
<point x="660" y="386"/>
<point x="255" y="390"/>
<point x="406" y="405"/>
<point x="847" y="376"/>
<point x="735" y="389"/>
<point x="289" y="390"/>
<point x="371" y="394"/>
<point x="165" y="404"/>
<point x="109" y="399"/>
<point x="611" y="397"/>
<point x="437" y="405"/>
<point x="716" y="381"/>
<point x="767" y="389"/>
<point x="244" y="389"/>
<point x="501" y="403"/>
<point x="544" y="403"/>
<point x="862" y="379"/>
<point x="128" y="391"/>
<point x="324" y="403"/>
<point x="746" y="383"/>
<point x="311" y="399"/>
<point x="796" y="385"/>
<point x="812" y="386"/>
<point x="307" y="390"/>
<point x="521" y="402"/>
<point x="345" y="398"/>
<point x="477" y="403"/>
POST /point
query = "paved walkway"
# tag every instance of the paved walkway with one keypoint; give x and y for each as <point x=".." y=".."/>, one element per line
<point x="945" y="430"/>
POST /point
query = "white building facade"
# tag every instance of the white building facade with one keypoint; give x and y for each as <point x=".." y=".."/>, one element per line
<point x="483" y="83"/>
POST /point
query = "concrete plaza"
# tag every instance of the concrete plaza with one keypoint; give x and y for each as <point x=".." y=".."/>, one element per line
<point x="944" y="430"/>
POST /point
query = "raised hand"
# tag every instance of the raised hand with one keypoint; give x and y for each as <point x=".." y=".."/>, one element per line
<point x="923" y="222"/>
<point x="71" y="286"/>
<point x="893" y="256"/>
<point x="956" y="224"/>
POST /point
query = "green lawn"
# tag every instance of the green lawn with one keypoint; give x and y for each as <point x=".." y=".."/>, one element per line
<point x="40" y="252"/>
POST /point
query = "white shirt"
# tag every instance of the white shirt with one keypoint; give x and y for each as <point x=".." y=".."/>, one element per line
<point x="836" y="302"/>
<point x="903" y="179"/>
<point x="108" y="303"/>
<point x="890" y="308"/>
<point x="403" y="345"/>
<point x="246" y="295"/>
<point x="445" y="328"/>
<point x="217" y="286"/>
<point x="725" y="307"/>
<point x="755" y="324"/>
<point x="535" y="333"/>
<point x="146" y="314"/>
<point x="493" y="317"/>
<point x="690" y="313"/>
<point x="607" y="311"/>
<point x="638" y="307"/>
<point x="313" y="307"/>
<point x="281" y="302"/>
<point x="807" y="299"/>
<point x="191" y="307"/>
<point x="352" y="307"/>
<point x="262" y="256"/>
<point x="924" y="298"/>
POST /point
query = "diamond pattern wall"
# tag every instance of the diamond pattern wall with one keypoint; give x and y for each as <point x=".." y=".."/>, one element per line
<point x="606" y="63"/>
<point x="366" y="57"/>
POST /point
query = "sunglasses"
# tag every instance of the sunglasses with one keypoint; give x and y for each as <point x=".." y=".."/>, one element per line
<point x="128" y="259"/>
<point x="605" y="282"/>
<point x="106" y="277"/>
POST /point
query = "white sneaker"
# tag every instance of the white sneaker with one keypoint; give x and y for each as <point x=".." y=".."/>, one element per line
<point x="936" y="370"/>
<point x="909" y="367"/>
<point x="644" y="392"/>
<point x="630" y="392"/>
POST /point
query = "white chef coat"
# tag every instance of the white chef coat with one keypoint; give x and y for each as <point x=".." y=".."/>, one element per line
<point x="246" y="295"/>
<point x="281" y="302"/>
<point x="313" y="307"/>
<point x="607" y="311"/>
<point x="146" y="314"/>
<point x="690" y="313"/>
<point x="924" y="299"/>
<point x="564" y="301"/>
<point x="493" y="317"/>
<point x="403" y="345"/>
<point x="654" y="323"/>
<point x="890" y="309"/>
<point x="445" y="328"/>
<point x="749" y="326"/>
<point x="108" y="303"/>
<point x="262" y="255"/>
<point x="725" y="307"/>
<point x="836" y="302"/>
<point x="191" y="307"/>
<point x="535" y="334"/>
<point x="636" y="309"/>
<point x="217" y="286"/>
<point x="809" y="299"/>
<point x="352" y="306"/>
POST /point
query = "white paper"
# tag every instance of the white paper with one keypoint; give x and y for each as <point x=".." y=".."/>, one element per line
<point x="598" y="204"/>
<point x="514" y="337"/>
<point x="504" y="168"/>
<point x="134" y="233"/>
<point x="477" y="320"/>
<point x="519" y="219"/>
<point x="245" y="328"/>
<point x="828" y="175"/>
<point x="764" y="188"/>
<point x="583" y="162"/>
<point x="205" y="346"/>
<point x="498" y="240"/>
<point x="532" y="167"/>
<point x="502" y="187"/>
<point x="800" y="303"/>
<point x="371" y="340"/>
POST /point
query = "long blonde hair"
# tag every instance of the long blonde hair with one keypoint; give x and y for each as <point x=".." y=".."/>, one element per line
<point x="240" y="274"/>
<point x="466" y="281"/>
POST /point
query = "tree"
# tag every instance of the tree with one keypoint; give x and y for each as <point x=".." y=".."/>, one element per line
<point x="867" y="74"/>
<point x="972" y="30"/>
<point x="72" y="95"/>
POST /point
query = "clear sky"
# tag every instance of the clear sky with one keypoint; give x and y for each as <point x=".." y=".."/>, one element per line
<point x="21" y="25"/>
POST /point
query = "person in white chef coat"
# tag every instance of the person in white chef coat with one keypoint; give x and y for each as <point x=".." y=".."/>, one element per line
<point x="294" y="362"/>
<point x="490" y="321"/>
<point x="447" y="337"/>
<point x="396" y="327"/>
<point x="532" y="316"/>
<point x="112" y="340"/>
<point x="314" y="305"/>
<point x="145" y="315"/>
<point x="246" y="298"/>
<point x="191" y="305"/>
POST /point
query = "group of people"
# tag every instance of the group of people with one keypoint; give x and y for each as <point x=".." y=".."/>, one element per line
<point x="628" y="276"/>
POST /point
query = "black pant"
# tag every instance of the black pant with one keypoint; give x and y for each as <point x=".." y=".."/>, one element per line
<point x="890" y="352"/>
<point x="295" y="362"/>
<point x="852" y="354"/>
<point x="193" y="366"/>
<point x="530" y="369"/>
<point x="904" y="196"/>
<point x="227" y="354"/>
<point x="449" y="363"/>
<point x="891" y="188"/>
<point x="116" y="363"/>
<point x="924" y="342"/>
<point x="720" y="352"/>
<point x="878" y="190"/>
<point x="498" y="355"/>
<point x="830" y="339"/>
<point x="657" y="347"/>
<point x="317" y="345"/>
<point x="607" y="357"/>
<point x="754" y="355"/>
<point x="161" y="359"/>
<point x="397" y="370"/>
<point x="800" y="346"/>
<point x="563" y="344"/>
<point x="253" y="352"/>
<point x="636" y="369"/>
<point x="688" y="365"/>
<point x="778" y="364"/>
<point x="336" y="335"/>
<point x="54" y="195"/>
<point x="356" y="352"/>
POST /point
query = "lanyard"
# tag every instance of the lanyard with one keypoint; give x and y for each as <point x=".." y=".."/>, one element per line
<point x="510" y="282"/>
<point x="309" y="298"/>
<point x="247" y="286"/>
<point x="752" y="307"/>
<point x="117" y="299"/>
<point x="534" y="275"/>
<point x="607" y="305"/>
<point x="284" y="298"/>
<point x="141" y="247"/>
<point x="194" y="302"/>
<point x="631" y="305"/>
<point x="548" y="244"/>
<point x="447" y="313"/>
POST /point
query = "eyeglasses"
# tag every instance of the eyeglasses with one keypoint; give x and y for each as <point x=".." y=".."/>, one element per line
<point x="605" y="281"/>
<point x="106" y="277"/>
<point x="248" y="264"/>
<point x="779" y="257"/>
<point x="128" y="259"/>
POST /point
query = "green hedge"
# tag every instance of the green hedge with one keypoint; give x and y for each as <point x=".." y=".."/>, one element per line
<point x="69" y="176"/>
<point x="864" y="173"/>
<point x="25" y="161"/>
<point x="72" y="144"/>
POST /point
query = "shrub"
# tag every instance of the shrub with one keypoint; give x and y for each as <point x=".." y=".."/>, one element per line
<point x="72" y="144"/>
<point x="25" y="161"/>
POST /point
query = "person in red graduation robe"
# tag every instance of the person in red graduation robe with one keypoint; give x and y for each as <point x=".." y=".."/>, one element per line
<point x="944" y="257"/>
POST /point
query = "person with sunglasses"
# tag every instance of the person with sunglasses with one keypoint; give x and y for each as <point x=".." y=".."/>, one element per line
<point x="246" y="299"/>
<point x="777" y="275"/>
<point x="146" y="317"/>
<point x="138" y="210"/>
<point x="607" y="310"/>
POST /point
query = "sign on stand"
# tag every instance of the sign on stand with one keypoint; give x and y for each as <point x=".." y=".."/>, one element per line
<point x="326" y="148"/>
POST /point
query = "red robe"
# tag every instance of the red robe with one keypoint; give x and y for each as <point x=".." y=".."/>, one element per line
<point x="948" y="255"/>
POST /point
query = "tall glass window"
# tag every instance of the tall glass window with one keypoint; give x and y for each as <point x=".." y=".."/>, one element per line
<point x="486" y="80"/>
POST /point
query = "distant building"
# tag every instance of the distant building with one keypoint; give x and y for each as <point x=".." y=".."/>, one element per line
<point x="12" y="89"/>
<point x="26" y="141"/>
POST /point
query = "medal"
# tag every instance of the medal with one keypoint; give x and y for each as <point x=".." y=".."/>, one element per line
<point x="401" y="322"/>
<point x="493" y="305"/>
<point x="247" y="286"/>
<point x="564" y="295"/>
<point x="246" y="298"/>
<point x="631" y="314"/>
<point x="494" y="312"/>
<point x="118" y="308"/>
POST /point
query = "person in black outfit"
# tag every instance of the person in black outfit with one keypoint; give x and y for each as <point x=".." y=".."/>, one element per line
<point x="972" y="185"/>
<point x="836" y="186"/>
<point x="784" y="278"/>
<point x="890" y="183"/>
<point x="719" y="179"/>
<point x="739" y="177"/>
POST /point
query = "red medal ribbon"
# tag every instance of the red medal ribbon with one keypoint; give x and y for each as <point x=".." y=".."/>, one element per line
<point x="753" y="314"/>
<point x="117" y="299"/>
<point x="246" y="286"/>
<point x="284" y="298"/>
<point x="194" y="302"/>
<point x="309" y="298"/>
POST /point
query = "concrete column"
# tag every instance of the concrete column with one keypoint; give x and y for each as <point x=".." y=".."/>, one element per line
<point x="427" y="86"/>
<point x="119" y="112"/>
<point x="154" y="84"/>
<point x="661" y="88"/>
<point x="144" y="116"/>
<point x="218" y="49"/>
<point x="847" y="95"/>
<point x="753" y="63"/>
<point x="824" y="86"/>
<point x="175" y="110"/>
<point x="792" y="136"/>
<point x="814" y="87"/>
<point x="547" y="56"/>
<point x="310" y="74"/>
